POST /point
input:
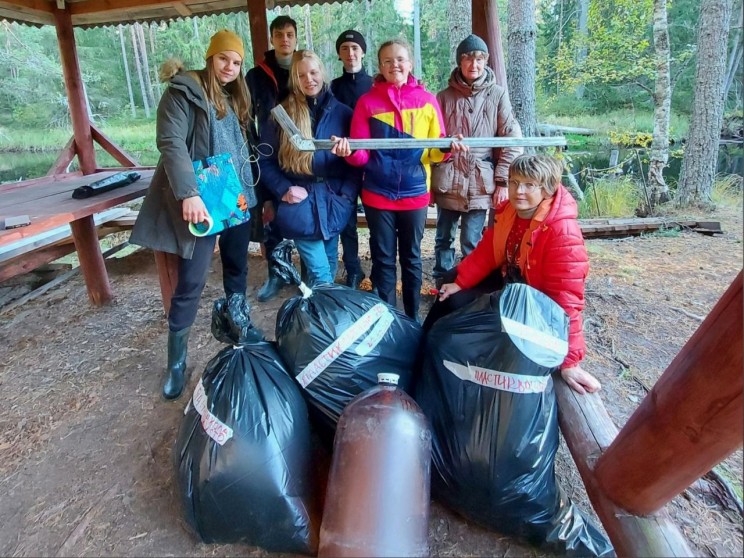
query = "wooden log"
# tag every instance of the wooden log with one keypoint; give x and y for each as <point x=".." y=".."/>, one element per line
<point x="259" y="29"/>
<point x="167" y="266"/>
<point x="550" y="129"/>
<point x="692" y="419"/>
<point x="112" y="149"/>
<point x="92" y="264"/>
<point x="65" y="157"/>
<point x="588" y="431"/>
<point x="486" y="26"/>
<point x="75" y="93"/>
<point x="29" y="262"/>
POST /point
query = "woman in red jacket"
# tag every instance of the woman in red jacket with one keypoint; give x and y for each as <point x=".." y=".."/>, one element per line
<point x="535" y="239"/>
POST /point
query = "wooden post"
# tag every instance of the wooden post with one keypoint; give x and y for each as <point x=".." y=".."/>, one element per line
<point x="588" y="431"/>
<point x="259" y="29"/>
<point x="75" y="93"/>
<point x="691" y="420"/>
<point x="92" y="264"/>
<point x="486" y="26"/>
<point x="167" y="266"/>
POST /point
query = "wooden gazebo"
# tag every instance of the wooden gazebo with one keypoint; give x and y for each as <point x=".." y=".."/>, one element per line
<point x="689" y="422"/>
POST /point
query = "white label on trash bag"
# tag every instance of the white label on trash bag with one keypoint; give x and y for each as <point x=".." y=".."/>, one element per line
<point x="378" y="315"/>
<point x="505" y="381"/>
<point x="214" y="427"/>
<point x="541" y="338"/>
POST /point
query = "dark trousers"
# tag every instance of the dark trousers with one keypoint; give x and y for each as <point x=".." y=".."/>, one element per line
<point x="350" y="245"/>
<point x="192" y="274"/>
<point x="494" y="282"/>
<point x="397" y="234"/>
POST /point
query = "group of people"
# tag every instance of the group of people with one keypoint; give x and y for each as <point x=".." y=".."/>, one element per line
<point x="311" y="197"/>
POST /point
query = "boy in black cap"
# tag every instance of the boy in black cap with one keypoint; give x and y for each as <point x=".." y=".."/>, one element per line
<point x="268" y="84"/>
<point x="352" y="84"/>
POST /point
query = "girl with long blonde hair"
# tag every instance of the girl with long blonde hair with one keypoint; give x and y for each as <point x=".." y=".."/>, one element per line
<point x="316" y="191"/>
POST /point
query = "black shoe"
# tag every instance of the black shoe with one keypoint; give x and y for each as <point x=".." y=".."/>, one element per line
<point x="178" y="342"/>
<point x="353" y="280"/>
<point x="270" y="288"/>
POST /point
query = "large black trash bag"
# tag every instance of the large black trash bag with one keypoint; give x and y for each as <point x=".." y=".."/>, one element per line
<point x="487" y="390"/>
<point x="335" y="340"/>
<point x="243" y="453"/>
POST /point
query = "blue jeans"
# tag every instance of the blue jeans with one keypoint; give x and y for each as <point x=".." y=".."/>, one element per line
<point x="470" y="234"/>
<point x="320" y="258"/>
<point x="391" y="234"/>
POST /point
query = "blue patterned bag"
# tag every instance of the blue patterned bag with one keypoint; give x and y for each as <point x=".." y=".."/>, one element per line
<point x="222" y="193"/>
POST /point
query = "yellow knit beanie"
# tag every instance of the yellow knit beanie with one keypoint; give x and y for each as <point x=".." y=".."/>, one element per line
<point x="225" y="40"/>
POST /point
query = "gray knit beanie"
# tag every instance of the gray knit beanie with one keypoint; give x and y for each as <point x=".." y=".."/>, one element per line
<point x="469" y="44"/>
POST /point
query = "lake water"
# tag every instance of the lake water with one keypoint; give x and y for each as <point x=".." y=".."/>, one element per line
<point x="25" y="165"/>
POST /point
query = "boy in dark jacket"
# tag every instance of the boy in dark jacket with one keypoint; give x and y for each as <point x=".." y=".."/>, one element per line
<point x="268" y="84"/>
<point x="352" y="84"/>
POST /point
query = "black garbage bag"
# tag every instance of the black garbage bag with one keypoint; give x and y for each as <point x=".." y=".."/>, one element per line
<point x="243" y="455"/>
<point x="487" y="390"/>
<point x="335" y="340"/>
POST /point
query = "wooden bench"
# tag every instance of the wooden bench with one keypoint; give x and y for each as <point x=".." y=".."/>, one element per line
<point x="50" y="207"/>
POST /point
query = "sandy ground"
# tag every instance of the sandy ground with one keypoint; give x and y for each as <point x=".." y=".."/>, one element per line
<point x="85" y="441"/>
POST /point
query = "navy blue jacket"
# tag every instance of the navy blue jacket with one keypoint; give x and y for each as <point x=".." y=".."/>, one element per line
<point x="268" y="84"/>
<point x="332" y="189"/>
<point x="349" y="87"/>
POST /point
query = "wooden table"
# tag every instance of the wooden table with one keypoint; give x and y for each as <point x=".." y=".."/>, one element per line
<point x="48" y="203"/>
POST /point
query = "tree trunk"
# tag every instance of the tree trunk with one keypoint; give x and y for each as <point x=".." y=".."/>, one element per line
<point x="735" y="56"/>
<point x="662" y="101"/>
<point x="370" y="56"/>
<point x="460" y="24"/>
<point x="520" y="72"/>
<point x="145" y="63"/>
<point x="308" y="27"/>
<point x="417" y="39"/>
<point x="701" y="152"/>
<point x="583" y="38"/>
<point x="143" y="88"/>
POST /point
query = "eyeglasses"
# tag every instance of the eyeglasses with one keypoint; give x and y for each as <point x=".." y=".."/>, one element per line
<point x="528" y="187"/>
<point x="393" y="61"/>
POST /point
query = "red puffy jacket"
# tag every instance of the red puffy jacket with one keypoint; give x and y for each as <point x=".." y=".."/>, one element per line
<point x="552" y="259"/>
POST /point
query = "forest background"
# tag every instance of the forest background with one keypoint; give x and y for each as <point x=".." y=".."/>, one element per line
<point x="594" y="58"/>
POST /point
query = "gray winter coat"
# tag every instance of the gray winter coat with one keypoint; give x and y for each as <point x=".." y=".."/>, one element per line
<point x="182" y="134"/>
<point x="467" y="182"/>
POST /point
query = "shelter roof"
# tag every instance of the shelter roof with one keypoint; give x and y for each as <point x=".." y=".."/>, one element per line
<point x="94" y="13"/>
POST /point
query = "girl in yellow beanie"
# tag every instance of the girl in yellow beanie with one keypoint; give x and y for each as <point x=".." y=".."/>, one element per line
<point x="202" y="113"/>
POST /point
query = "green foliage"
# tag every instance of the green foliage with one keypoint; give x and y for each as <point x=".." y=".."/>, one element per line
<point x="610" y="197"/>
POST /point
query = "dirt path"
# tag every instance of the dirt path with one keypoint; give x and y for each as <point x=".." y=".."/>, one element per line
<point x="85" y="441"/>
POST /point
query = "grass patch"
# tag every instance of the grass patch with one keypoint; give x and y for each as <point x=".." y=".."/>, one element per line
<point x="727" y="191"/>
<point x="619" y="121"/>
<point x="610" y="197"/>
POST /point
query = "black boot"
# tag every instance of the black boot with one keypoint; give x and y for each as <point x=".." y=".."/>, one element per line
<point x="353" y="279"/>
<point x="271" y="288"/>
<point x="178" y="342"/>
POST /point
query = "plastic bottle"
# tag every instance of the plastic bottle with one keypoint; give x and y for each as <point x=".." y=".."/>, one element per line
<point x="377" y="501"/>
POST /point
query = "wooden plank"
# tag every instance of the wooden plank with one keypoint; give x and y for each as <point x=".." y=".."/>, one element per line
<point x="31" y="261"/>
<point x="53" y="236"/>
<point x="65" y="157"/>
<point x="588" y="430"/>
<point x="167" y="266"/>
<point x="51" y="205"/>
<point x="692" y="419"/>
<point x="112" y="149"/>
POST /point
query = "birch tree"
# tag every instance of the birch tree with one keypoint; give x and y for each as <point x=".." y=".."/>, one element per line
<point x="701" y="153"/>
<point x="459" y="17"/>
<point x="582" y="33"/>
<point x="662" y="101"/>
<point x="126" y="70"/>
<point x="138" y="66"/>
<point x="520" y="73"/>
